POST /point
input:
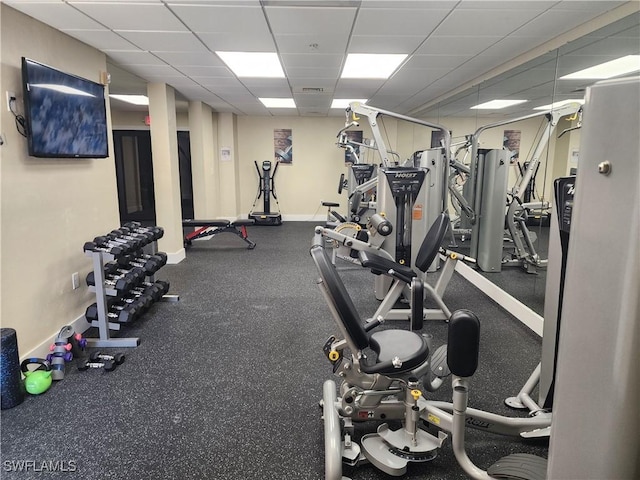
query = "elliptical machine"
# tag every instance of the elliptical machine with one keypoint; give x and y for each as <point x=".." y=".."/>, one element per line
<point x="266" y="188"/>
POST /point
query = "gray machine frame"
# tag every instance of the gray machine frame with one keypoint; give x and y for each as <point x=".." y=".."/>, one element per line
<point x="481" y="203"/>
<point x="598" y="373"/>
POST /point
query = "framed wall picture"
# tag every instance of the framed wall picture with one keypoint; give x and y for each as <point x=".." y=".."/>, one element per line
<point x="511" y="142"/>
<point x="283" y="145"/>
<point x="352" y="156"/>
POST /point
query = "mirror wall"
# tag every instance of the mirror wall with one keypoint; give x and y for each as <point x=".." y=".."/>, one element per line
<point x="540" y="83"/>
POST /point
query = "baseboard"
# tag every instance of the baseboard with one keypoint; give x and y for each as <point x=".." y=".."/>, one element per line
<point x="516" y="308"/>
<point x="176" y="257"/>
<point x="79" y="325"/>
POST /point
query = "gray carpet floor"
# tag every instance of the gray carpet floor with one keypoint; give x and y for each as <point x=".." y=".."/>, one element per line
<point x="226" y="382"/>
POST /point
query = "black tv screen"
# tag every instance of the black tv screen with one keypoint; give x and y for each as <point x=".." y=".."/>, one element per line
<point x="66" y="115"/>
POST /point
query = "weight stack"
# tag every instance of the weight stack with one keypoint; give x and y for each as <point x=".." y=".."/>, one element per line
<point x="12" y="388"/>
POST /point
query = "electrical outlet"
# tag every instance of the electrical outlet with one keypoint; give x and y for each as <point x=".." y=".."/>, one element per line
<point x="11" y="96"/>
<point x="75" y="280"/>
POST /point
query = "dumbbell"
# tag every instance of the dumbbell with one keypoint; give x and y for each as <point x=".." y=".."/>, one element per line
<point x="143" y="237"/>
<point x="137" y="273"/>
<point x="140" y="299"/>
<point x="117" y="312"/>
<point x="159" y="288"/>
<point x="105" y="242"/>
<point x="118" y="358"/>
<point x="133" y="244"/>
<point x="137" y="227"/>
<point x="151" y="264"/>
<point x="107" y="365"/>
<point x="115" y="250"/>
<point x="121" y="283"/>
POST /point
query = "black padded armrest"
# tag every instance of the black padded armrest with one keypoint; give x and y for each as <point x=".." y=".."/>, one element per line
<point x="380" y="265"/>
<point x="463" y="343"/>
<point x="205" y="223"/>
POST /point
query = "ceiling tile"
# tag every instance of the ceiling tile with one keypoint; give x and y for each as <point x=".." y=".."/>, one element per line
<point x="190" y="58"/>
<point x="195" y="71"/>
<point x="296" y="72"/>
<point x="238" y="20"/>
<point x="394" y="21"/>
<point x="311" y="60"/>
<point x="485" y="22"/>
<point x="133" y="57"/>
<point x="127" y="16"/>
<point x="217" y="81"/>
<point x="546" y="24"/>
<point x="164" y="41"/>
<point x="101" y="39"/>
<point x="456" y="45"/>
<point x="270" y="92"/>
<point x="312" y="42"/>
<point x="532" y="5"/>
<point x="301" y="20"/>
<point x="225" y="42"/>
<point x="384" y="44"/>
<point x="148" y="71"/>
<point x="327" y="84"/>
<point x="357" y="88"/>
<point x="435" y="61"/>
<point x="312" y="100"/>
<point x="58" y="15"/>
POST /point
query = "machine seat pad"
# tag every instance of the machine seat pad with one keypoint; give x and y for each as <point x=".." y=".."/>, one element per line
<point x="381" y="265"/>
<point x="243" y="222"/>
<point x="408" y="347"/>
<point x="205" y="223"/>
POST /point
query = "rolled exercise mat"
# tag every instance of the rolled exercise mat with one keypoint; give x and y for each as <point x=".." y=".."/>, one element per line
<point x="12" y="388"/>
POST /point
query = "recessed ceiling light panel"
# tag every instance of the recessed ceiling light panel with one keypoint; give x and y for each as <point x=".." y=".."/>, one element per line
<point x="497" y="104"/>
<point x="371" y="65"/>
<point x="278" y="102"/>
<point x="613" y="68"/>
<point x="253" y="64"/>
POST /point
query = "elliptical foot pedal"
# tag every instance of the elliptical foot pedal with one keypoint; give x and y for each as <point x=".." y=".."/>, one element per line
<point x="519" y="466"/>
<point x="438" y="362"/>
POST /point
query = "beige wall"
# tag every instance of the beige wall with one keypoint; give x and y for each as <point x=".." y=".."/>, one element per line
<point x="50" y="207"/>
<point x="313" y="175"/>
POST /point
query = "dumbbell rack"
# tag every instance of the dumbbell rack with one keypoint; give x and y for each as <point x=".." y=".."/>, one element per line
<point x="102" y="291"/>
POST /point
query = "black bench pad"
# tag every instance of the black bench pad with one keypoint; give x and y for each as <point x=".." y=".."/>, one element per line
<point x="205" y="223"/>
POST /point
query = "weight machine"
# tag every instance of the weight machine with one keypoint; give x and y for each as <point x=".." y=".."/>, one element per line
<point x="266" y="189"/>
<point x="483" y="199"/>
<point x="411" y="196"/>
<point x="386" y="387"/>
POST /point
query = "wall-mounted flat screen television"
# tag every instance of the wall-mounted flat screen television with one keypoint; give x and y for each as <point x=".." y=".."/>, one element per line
<point x="66" y="115"/>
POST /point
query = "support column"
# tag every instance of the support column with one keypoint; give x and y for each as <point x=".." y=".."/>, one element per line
<point x="228" y="167"/>
<point x="166" y="173"/>
<point x="203" y="139"/>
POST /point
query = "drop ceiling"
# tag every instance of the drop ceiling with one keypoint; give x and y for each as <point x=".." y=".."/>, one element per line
<point x="449" y="43"/>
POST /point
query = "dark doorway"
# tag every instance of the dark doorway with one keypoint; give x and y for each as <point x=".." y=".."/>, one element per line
<point x="134" y="172"/>
<point x="186" y="184"/>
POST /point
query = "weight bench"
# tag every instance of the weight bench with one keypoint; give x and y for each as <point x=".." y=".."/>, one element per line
<point x="211" y="228"/>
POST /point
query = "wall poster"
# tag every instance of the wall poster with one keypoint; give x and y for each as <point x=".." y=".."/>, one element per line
<point x="511" y="142"/>
<point x="283" y="145"/>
